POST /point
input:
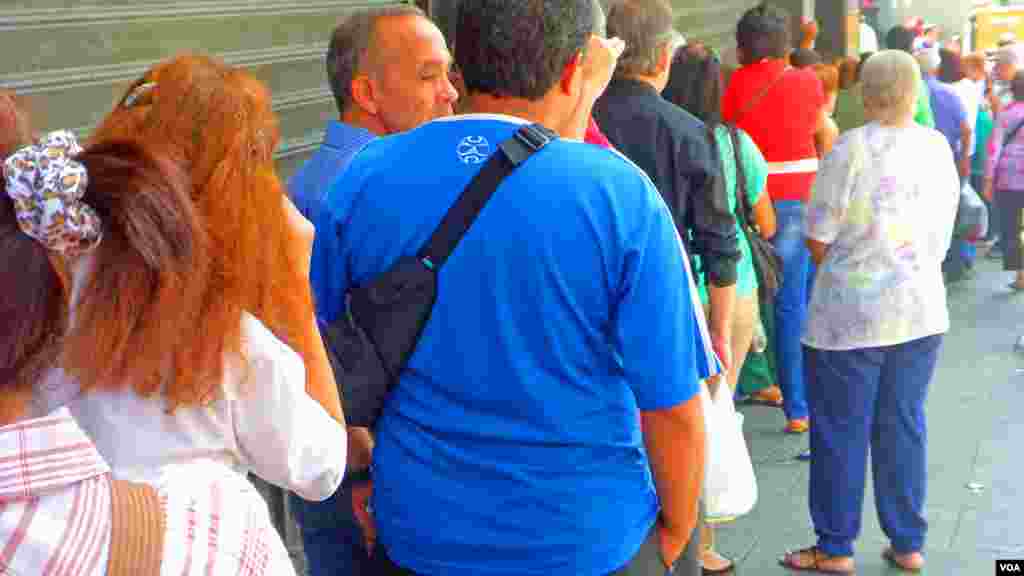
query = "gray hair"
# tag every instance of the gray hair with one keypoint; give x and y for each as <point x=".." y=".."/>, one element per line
<point x="646" y="27"/>
<point x="889" y="84"/>
<point x="350" y="44"/>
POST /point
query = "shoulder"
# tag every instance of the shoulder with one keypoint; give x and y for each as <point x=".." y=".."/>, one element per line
<point x="261" y="348"/>
<point x="604" y="171"/>
<point x="686" y="123"/>
<point x="928" y="136"/>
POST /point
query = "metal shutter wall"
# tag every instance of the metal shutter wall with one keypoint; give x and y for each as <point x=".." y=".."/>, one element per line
<point x="72" y="59"/>
<point x="712" y="22"/>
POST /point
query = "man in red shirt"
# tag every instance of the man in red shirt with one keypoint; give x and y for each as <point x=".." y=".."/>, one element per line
<point x="780" y="108"/>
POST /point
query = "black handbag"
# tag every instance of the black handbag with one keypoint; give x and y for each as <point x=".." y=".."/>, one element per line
<point x="372" y="340"/>
<point x="767" y="264"/>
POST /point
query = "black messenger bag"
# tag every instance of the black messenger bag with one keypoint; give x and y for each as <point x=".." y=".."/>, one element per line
<point x="371" y="342"/>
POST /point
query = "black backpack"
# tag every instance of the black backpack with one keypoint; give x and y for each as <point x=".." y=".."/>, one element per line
<point x="371" y="342"/>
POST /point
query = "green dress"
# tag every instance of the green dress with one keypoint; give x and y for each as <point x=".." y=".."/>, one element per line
<point x="755" y="169"/>
<point x="923" y="113"/>
<point x="983" y="130"/>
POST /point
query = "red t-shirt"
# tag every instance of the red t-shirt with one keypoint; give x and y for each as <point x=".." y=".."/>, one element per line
<point x="782" y="123"/>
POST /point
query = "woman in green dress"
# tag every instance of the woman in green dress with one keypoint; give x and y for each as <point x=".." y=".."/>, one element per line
<point x="695" y="85"/>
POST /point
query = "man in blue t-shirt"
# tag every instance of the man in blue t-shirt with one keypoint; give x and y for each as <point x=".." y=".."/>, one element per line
<point x="548" y="421"/>
<point x="388" y="69"/>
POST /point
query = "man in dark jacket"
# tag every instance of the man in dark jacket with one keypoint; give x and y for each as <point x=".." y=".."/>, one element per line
<point x="673" y="148"/>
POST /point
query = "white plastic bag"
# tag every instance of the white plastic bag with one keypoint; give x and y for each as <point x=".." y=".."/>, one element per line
<point x="730" y="487"/>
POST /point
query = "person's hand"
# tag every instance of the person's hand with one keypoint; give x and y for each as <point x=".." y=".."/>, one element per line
<point x="965" y="167"/>
<point x="671" y="543"/>
<point x="987" y="190"/>
<point x="361" y="494"/>
<point x="599" y="64"/>
<point x="301" y="234"/>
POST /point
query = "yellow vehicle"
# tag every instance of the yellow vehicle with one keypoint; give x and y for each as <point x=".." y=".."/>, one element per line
<point x="987" y="25"/>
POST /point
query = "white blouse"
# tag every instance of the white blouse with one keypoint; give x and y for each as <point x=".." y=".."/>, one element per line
<point x="884" y="201"/>
<point x="264" y="422"/>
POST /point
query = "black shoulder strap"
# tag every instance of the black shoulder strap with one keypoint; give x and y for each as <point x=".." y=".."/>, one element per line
<point x="511" y="153"/>
<point x="1012" y="132"/>
<point x="743" y="208"/>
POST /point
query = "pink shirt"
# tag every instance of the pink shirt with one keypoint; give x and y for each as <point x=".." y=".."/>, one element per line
<point x="1006" y="163"/>
<point x="55" y="510"/>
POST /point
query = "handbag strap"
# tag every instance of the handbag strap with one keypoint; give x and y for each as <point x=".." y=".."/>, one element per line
<point x="527" y="141"/>
<point x="137" y="530"/>
<point x="1009" y="138"/>
<point x="759" y="96"/>
<point x="744" y="210"/>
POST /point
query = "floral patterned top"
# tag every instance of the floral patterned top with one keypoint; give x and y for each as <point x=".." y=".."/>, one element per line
<point x="884" y="201"/>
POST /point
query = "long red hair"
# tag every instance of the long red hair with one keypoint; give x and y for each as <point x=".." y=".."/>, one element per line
<point x="182" y="172"/>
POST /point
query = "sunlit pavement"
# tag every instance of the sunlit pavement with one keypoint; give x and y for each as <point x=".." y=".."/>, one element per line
<point x="976" y="453"/>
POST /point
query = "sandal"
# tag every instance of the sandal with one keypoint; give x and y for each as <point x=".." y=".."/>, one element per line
<point x="912" y="562"/>
<point x="771" y="396"/>
<point x="814" y="560"/>
<point x="728" y="566"/>
<point x="1014" y="287"/>
<point x="798" y="426"/>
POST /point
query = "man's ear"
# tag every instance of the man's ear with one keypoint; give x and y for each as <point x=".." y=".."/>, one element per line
<point x="573" y="72"/>
<point x="363" y="94"/>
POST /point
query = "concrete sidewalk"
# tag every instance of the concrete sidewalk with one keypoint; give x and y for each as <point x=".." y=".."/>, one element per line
<point x="975" y="430"/>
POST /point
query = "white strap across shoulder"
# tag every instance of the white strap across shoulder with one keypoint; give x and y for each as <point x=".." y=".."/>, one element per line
<point x="805" y="166"/>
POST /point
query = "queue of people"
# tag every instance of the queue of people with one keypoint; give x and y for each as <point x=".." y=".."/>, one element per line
<point x="670" y="227"/>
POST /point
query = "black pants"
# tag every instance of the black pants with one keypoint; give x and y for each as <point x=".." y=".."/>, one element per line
<point x="647" y="561"/>
<point x="1011" y="204"/>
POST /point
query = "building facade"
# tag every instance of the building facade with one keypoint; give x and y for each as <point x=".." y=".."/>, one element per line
<point x="72" y="60"/>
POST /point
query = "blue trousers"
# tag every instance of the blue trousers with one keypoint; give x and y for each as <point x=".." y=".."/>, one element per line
<point x="331" y="536"/>
<point x="869" y="397"/>
<point x="791" y="305"/>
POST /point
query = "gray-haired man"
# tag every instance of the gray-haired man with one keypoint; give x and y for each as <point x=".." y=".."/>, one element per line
<point x="388" y="69"/>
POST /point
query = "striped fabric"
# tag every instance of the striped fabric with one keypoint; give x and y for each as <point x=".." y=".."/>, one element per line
<point x="55" y="512"/>
<point x="54" y="499"/>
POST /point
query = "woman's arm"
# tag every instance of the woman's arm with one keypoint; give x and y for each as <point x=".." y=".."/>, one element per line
<point x="320" y="383"/>
<point x="284" y="435"/>
<point x="764" y="217"/>
<point x="826" y="134"/>
<point x="755" y="168"/>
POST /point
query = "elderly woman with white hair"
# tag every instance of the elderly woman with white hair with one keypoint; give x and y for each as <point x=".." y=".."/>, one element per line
<point x="879" y="223"/>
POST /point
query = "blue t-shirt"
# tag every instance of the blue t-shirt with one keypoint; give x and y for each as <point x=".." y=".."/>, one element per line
<point x="511" y="445"/>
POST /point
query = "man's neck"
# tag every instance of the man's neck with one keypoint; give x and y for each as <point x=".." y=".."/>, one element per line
<point x="355" y="116"/>
<point x="541" y="111"/>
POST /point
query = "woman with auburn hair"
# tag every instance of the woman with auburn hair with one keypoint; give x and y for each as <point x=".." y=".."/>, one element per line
<point x="191" y="332"/>
<point x="206" y="517"/>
